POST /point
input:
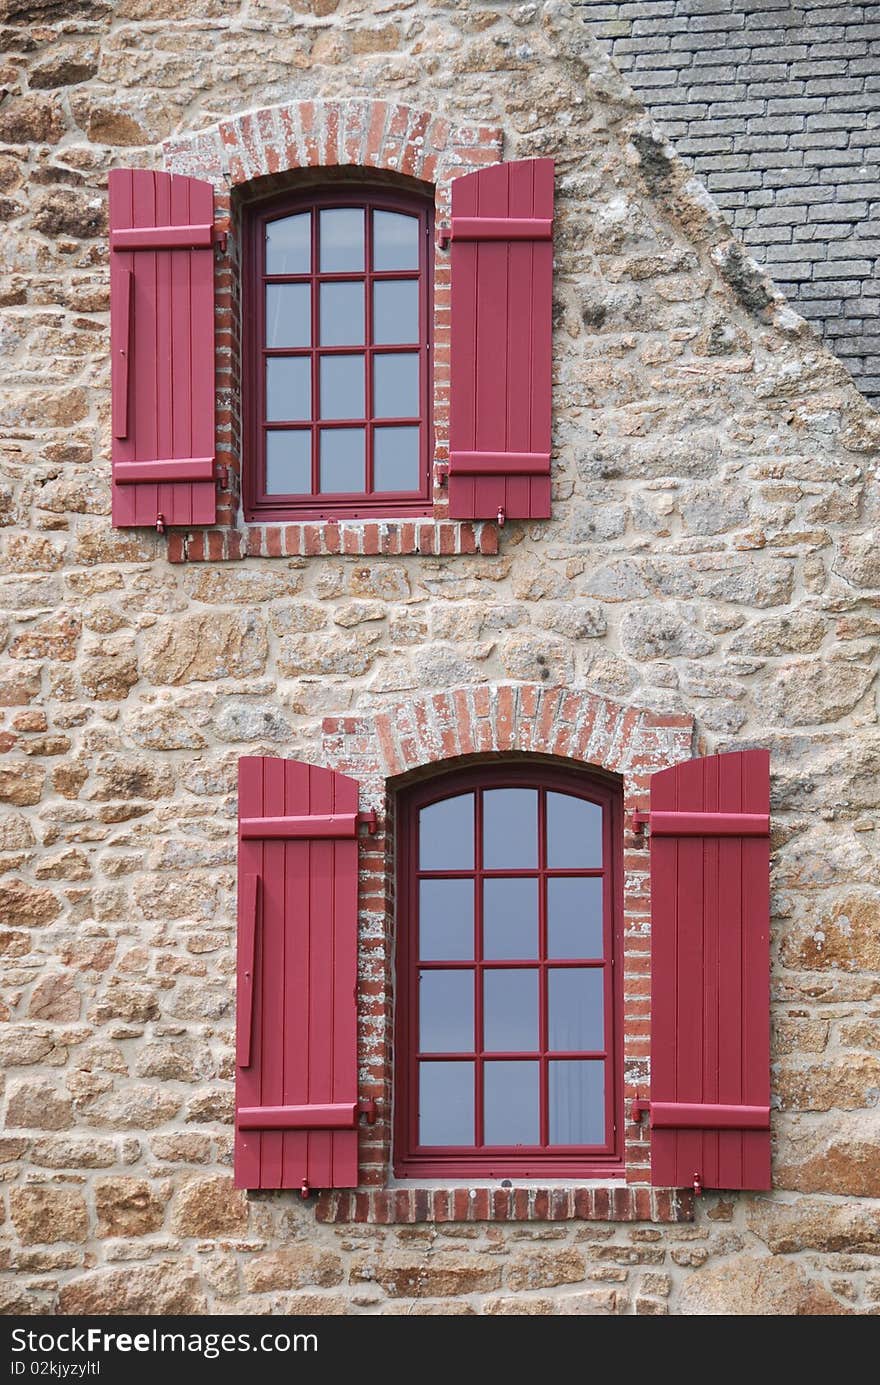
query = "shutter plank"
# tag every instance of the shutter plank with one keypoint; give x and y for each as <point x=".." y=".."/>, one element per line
<point x="541" y="340"/>
<point x="165" y="347"/>
<point x="522" y="258"/>
<point x="710" y="973"/>
<point x="343" y="982"/>
<point x="290" y="985"/>
<point x="250" y="865"/>
<point x="501" y="341"/>
<point x="200" y="269"/>
<point x="464" y="331"/>
<point x="317" y="965"/>
<point x="145" y="366"/>
<point x="493" y="338"/>
<point x="756" y="1151"/>
<point x="694" y="903"/>
<point x="724" y="1149"/>
<point x="283" y="930"/>
<point x="180" y="400"/>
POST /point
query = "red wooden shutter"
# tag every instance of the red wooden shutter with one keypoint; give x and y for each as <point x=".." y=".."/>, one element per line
<point x="296" y="1034"/>
<point x="502" y="279"/>
<point x="162" y="348"/>
<point x="710" y="972"/>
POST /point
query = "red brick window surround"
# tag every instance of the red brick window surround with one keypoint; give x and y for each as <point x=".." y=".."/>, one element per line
<point x="267" y="153"/>
<point x="391" y="752"/>
<point x="508" y="922"/>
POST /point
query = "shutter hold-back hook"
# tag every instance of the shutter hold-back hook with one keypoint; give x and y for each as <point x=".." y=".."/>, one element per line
<point x="160" y="523"/>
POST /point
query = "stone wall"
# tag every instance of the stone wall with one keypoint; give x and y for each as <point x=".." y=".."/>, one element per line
<point x="775" y="103"/>
<point x="712" y="556"/>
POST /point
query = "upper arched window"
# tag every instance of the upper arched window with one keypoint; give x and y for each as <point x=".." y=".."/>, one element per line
<point x="336" y="313"/>
<point x="507" y="1060"/>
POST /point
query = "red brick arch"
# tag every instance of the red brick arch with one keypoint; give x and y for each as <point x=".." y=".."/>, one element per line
<point x="323" y="134"/>
<point x="427" y="729"/>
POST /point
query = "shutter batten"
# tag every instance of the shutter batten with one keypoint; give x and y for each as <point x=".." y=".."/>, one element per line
<point x="501" y="228"/>
<point x="162" y="348"/>
<point x="501" y="342"/>
<point x="499" y="463"/>
<point x="162" y="237"/>
<point x="297" y="1095"/>
<point x="710" y="972"/>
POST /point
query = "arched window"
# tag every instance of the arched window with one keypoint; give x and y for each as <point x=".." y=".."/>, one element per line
<point x="336" y="388"/>
<point x="508" y="909"/>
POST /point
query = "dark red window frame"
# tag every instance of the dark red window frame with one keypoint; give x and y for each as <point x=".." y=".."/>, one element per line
<point x="411" y="1160"/>
<point x="257" y="504"/>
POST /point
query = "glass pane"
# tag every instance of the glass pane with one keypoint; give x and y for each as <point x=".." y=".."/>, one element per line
<point x="446" y="1011"/>
<point x="341" y="233"/>
<point x="574" y="917"/>
<point x="510" y="1010"/>
<point x="342" y="387"/>
<point x="510" y="829"/>
<point x="289" y="462"/>
<point x="446" y="920"/>
<point x="396" y="386"/>
<point x="575" y="1005"/>
<point x="510" y="1104"/>
<point x="395" y="311"/>
<point x="342" y="460"/>
<point x="396" y="459"/>
<point x="446" y="1103"/>
<point x="446" y="834"/>
<point x="288" y="315"/>
<point x="395" y="241"/>
<point x="289" y="245"/>
<point x="288" y="388"/>
<point x="577" y="1102"/>
<point x="342" y="314"/>
<point x="574" y="833"/>
<point x="510" y="918"/>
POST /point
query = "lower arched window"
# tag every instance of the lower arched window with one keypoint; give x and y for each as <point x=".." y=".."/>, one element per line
<point x="507" y="990"/>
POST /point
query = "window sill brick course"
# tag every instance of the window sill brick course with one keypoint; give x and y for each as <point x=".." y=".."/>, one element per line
<point x="323" y="538"/>
<point x="397" y="1206"/>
